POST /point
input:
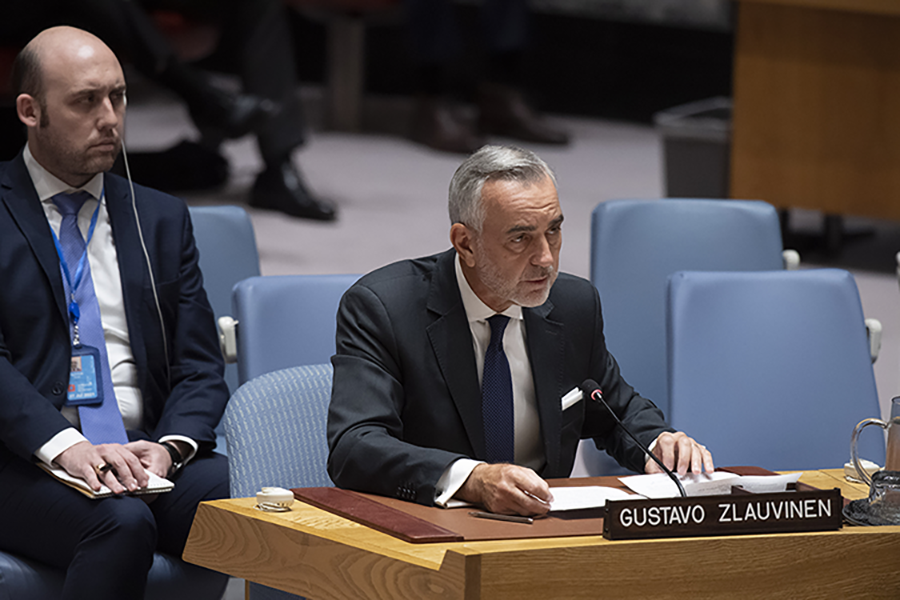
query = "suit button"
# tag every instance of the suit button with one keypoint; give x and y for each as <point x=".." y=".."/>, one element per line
<point x="58" y="388"/>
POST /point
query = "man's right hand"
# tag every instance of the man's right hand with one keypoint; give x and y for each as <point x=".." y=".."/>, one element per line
<point x="127" y="473"/>
<point x="507" y="489"/>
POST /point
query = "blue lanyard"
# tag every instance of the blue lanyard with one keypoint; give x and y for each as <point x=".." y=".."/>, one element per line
<point x="79" y="270"/>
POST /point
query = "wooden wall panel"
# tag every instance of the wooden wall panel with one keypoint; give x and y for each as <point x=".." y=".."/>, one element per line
<point x="817" y="109"/>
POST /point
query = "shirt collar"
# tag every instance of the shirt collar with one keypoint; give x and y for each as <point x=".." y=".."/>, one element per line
<point x="48" y="185"/>
<point x="476" y="310"/>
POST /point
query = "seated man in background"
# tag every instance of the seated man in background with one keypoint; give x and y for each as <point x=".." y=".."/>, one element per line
<point x="95" y="271"/>
<point x="255" y="44"/>
<point x="450" y="369"/>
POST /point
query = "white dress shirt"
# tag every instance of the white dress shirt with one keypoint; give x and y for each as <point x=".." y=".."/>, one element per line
<point x="104" y="263"/>
<point x="529" y="449"/>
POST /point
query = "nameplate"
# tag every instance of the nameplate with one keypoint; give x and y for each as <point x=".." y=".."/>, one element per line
<point x="739" y="513"/>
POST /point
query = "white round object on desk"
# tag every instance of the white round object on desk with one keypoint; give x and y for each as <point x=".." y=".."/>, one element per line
<point x="274" y="499"/>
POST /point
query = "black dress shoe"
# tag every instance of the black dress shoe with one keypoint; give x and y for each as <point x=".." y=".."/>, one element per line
<point x="437" y="126"/>
<point x="281" y="188"/>
<point x="505" y="112"/>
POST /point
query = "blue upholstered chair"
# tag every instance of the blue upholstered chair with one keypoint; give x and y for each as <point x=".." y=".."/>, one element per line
<point x="227" y="245"/>
<point x="275" y="427"/>
<point x="224" y="236"/>
<point x="275" y="423"/>
<point x="284" y="321"/>
<point x="635" y="246"/>
<point x="771" y="369"/>
<point x="170" y="578"/>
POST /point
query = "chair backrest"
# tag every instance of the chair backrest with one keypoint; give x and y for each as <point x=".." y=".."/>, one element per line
<point x="637" y="244"/>
<point x="275" y="428"/>
<point x="286" y="320"/>
<point x="228" y="254"/>
<point x="771" y="368"/>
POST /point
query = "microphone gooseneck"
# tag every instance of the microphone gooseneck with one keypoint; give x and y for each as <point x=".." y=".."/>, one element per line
<point x="593" y="391"/>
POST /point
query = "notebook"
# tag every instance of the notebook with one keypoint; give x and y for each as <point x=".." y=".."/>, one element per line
<point x="156" y="485"/>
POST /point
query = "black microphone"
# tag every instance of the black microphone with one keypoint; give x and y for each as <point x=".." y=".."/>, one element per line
<point x="592" y="389"/>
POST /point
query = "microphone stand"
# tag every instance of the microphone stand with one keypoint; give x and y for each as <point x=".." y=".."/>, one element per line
<point x="596" y="395"/>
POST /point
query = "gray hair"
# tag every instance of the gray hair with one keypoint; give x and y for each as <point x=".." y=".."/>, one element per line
<point x="490" y="163"/>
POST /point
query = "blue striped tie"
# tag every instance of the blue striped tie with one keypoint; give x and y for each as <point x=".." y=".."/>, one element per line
<point x="101" y="424"/>
<point x="497" y="397"/>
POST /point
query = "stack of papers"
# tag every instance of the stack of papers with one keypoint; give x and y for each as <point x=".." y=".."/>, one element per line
<point x="659" y="485"/>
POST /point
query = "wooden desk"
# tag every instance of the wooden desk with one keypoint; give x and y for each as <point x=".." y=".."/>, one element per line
<point x="816" y="94"/>
<point x="322" y="556"/>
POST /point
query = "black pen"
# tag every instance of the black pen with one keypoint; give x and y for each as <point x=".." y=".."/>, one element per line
<point x="496" y="517"/>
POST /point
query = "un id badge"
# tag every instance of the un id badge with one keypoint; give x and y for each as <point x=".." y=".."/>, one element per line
<point x="84" y="377"/>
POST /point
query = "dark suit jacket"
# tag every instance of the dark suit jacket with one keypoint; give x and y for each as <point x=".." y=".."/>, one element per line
<point x="34" y="328"/>
<point x="406" y="402"/>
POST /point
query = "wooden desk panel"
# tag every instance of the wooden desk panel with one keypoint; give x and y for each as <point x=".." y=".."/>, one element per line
<point x="816" y="91"/>
<point x="316" y="554"/>
<point x="319" y="555"/>
<point x="834" y="478"/>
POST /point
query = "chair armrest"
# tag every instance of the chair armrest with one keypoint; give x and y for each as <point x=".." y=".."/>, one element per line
<point x="791" y="260"/>
<point x="873" y="332"/>
<point x="228" y="338"/>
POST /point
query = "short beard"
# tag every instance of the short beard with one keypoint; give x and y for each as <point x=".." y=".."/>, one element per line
<point x="491" y="277"/>
<point x="69" y="160"/>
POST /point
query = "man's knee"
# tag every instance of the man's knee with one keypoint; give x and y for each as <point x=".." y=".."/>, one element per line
<point x="127" y="521"/>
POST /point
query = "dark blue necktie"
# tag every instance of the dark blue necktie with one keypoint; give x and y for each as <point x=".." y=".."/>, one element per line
<point x="101" y="424"/>
<point x="497" y="397"/>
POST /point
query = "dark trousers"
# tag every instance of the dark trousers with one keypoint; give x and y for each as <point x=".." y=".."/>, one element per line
<point x="106" y="546"/>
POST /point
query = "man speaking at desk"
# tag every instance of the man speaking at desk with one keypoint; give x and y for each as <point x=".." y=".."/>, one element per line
<point x="451" y="369"/>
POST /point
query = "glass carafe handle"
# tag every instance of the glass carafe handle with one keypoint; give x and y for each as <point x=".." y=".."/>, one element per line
<point x="854" y="454"/>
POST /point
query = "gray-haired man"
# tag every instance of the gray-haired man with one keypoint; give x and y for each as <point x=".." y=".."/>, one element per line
<point x="437" y="397"/>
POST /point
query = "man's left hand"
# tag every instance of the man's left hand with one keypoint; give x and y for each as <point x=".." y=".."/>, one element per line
<point x="153" y="456"/>
<point x="679" y="450"/>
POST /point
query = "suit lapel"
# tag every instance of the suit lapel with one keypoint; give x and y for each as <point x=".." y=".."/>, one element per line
<point x="26" y="210"/>
<point x="546" y="352"/>
<point x="451" y="341"/>
<point x="130" y="256"/>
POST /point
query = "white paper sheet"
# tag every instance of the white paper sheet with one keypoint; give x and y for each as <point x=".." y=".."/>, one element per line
<point x="592" y="496"/>
<point x="766" y="484"/>
<point x="659" y="485"/>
